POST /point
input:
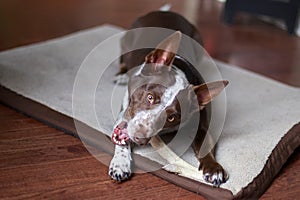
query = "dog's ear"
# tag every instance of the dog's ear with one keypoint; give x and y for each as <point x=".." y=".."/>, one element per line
<point x="165" y="51"/>
<point x="207" y="91"/>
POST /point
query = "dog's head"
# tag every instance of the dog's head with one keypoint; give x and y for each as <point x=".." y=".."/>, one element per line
<point x="159" y="96"/>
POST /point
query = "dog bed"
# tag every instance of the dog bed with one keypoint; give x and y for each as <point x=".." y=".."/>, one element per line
<point x="260" y="132"/>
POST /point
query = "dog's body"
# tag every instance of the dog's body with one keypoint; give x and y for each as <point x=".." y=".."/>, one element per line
<point x="164" y="91"/>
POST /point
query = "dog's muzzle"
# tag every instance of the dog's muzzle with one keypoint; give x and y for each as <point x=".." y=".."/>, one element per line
<point x="121" y="137"/>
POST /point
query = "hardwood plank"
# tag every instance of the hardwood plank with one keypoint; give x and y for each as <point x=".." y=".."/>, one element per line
<point x="42" y="177"/>
<point x="19" y="124"/>
<point x="80" y="181"/>
<point x="38" y="142"/>
<point x="42" y="162"/>
<point x="26" y="133"/>
<point x="56" y="170"/>
<point x="29" y="157"/>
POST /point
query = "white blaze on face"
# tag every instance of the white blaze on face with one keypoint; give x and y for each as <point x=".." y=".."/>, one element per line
<point x="150" y="122"/>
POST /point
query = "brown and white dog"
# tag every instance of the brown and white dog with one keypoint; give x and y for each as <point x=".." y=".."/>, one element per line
<point x="151" y="105"/>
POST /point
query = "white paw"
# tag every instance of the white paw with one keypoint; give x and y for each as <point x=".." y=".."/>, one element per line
<point x="121" y="79"/>
<point x="120" y="165"/>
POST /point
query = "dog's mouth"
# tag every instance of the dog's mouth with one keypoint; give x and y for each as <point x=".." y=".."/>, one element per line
<point x="120" y="134"/>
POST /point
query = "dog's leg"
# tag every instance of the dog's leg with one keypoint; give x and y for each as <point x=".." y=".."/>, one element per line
<point x="120" y="165"/>
<point x="212" y="171"/>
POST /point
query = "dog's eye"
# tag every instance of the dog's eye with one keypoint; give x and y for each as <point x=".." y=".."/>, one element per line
<point x="150" y="98"/>
<point x="171" y="118"/>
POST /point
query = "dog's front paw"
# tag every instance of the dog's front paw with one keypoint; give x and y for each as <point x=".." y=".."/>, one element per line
<point x="120" y="169"/>
<point x="213" y="173"/>
<point x="120" y="166"/>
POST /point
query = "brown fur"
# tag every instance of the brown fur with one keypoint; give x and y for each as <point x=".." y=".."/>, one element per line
<point x="205" y="92"/>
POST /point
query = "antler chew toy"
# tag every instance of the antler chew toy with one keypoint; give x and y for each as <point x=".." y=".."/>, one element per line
<point x="175" y="163"/>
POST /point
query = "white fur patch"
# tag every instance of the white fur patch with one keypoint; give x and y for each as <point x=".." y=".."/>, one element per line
<point x="180" y="84"/>
<point x="120" y="165"/>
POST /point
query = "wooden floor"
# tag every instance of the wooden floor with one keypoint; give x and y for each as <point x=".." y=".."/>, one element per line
<point x="41" y="162"/>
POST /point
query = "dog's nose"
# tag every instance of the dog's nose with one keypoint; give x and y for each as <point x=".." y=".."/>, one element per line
<point x="140" y="140"/>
